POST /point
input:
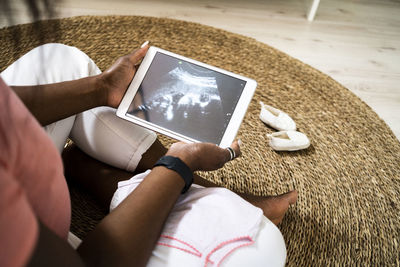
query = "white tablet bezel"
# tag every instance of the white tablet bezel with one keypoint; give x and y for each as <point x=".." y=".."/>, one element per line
<point x="237" y="115"/>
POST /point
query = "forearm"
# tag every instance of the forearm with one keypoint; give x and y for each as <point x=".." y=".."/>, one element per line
<point x="52" y="102"/>
<point x="203" y="182"/>
<point x="128" y="234"/>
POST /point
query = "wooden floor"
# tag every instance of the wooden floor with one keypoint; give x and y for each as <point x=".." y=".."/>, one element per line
<point x="355" y="42"/>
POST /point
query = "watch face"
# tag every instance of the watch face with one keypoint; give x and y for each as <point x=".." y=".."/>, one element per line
<point x="169" y="161"/>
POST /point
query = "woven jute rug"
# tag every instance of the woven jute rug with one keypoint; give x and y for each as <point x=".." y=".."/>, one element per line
<point x="348" y="211"/>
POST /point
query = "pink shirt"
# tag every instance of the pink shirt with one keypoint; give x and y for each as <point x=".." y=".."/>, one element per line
<point x="32" y="184"/>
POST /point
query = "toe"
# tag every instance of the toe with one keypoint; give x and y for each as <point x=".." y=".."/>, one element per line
<point x="290" y="196"/>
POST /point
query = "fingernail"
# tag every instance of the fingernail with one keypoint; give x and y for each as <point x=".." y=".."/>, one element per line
<point x="144" y="44"/>
<point x="240" y="143"/>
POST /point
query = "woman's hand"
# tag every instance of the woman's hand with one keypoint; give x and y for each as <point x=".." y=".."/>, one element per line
<point x="115" y="80"/>
<point x="203" y="156"/>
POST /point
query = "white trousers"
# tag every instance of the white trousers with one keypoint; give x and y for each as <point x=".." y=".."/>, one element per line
<point x="98" y="132"/>
<point x="104" y="136"/>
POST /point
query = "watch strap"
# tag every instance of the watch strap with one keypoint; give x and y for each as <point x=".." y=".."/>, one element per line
<point x="177" y="165"/>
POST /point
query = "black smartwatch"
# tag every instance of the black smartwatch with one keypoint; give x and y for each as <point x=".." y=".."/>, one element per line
<point x="176" y="164"/>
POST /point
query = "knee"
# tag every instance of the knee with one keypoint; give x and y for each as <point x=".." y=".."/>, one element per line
<point x="58" y="49"/>
<point x="54" y="62"/>
<point x="50" y="63"/>
<point x="69" y="59"/>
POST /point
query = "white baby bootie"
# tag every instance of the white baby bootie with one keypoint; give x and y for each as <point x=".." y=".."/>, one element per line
<point x="288" y="141"/>
<point x="276" y="118"/>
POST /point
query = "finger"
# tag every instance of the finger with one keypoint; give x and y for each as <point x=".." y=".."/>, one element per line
<point x="222" y="154"/>
<point x="290" y="196"/>
<point x="228" y="156"/>
<point x="236" y="147"/>
<point x="136" y="56"/>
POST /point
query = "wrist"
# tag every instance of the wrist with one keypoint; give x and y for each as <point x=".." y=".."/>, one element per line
<point x="187" y="159"/>
<point x="188" y="153"/>
<point x="180" y="167"/>
<point x="101" y="89"/>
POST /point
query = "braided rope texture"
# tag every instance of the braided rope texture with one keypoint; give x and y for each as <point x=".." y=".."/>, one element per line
<point x="348" y="210"/>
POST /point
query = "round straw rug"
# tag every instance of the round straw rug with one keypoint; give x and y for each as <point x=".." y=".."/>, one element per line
<point x="348" y="211"/>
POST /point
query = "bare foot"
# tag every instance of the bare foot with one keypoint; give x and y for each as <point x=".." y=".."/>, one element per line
<point x="274" y="207"/>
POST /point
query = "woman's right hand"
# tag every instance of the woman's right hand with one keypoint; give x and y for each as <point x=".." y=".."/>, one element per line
<point x="203" y="156"/>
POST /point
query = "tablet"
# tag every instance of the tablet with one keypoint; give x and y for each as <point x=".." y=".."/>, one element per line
<point x="186" y="99"/>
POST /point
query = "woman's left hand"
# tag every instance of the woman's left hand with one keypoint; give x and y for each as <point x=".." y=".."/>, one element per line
<point x="115" y="80"/>
<point x="203" y="156"/>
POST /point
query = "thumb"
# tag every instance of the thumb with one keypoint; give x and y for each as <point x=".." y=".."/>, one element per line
<point x="290" y="196"/>
<point x="138" y="54"/>
<point x="236" y="147"/>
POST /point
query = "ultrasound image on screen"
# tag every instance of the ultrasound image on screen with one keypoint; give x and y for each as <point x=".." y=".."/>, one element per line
<point x="186" y="98"/>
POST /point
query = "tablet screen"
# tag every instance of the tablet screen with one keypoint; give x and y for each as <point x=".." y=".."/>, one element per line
<point x="186" y="98"/>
